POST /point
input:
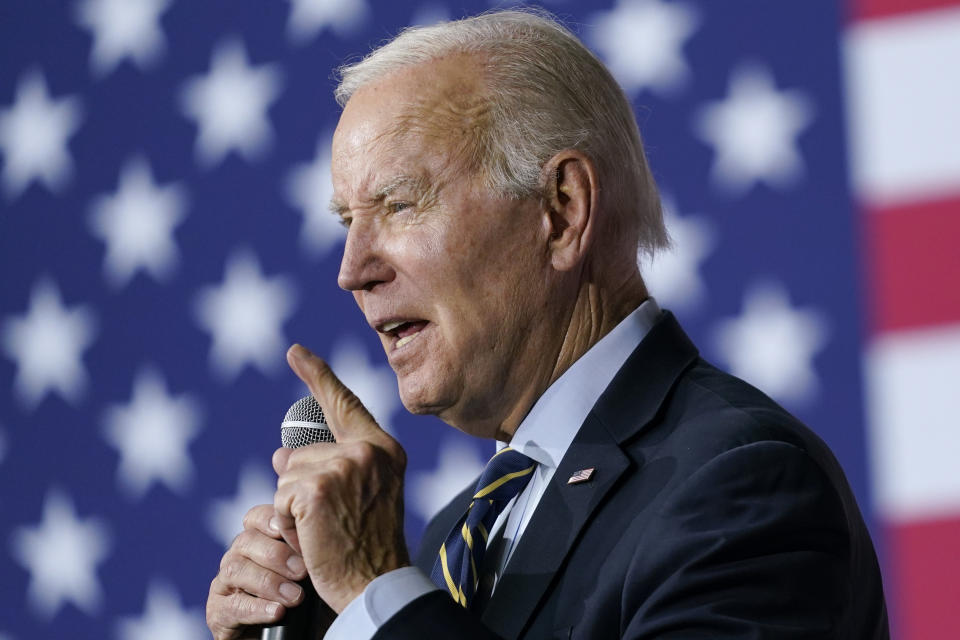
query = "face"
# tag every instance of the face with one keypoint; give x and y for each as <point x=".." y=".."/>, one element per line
<point x="454" y="278"/>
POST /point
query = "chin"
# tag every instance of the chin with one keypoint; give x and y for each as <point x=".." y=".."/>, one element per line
<point x="420" y="400"/>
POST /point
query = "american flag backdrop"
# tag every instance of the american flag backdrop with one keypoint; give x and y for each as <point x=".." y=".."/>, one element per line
<point x="164" y="236"/>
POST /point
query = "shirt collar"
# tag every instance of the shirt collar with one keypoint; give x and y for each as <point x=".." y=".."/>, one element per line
<point x="546" y="432"/>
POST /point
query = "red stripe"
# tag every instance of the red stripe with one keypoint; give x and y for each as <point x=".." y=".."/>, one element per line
<point x="913" y="262"/>
<point x="924" y="584"/>
<point x="867" y="9"/>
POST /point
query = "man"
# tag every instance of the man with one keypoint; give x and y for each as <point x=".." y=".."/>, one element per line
<point x="493" y="183"/>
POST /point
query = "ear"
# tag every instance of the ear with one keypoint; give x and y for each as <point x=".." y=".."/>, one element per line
<point x="570" y="206"/>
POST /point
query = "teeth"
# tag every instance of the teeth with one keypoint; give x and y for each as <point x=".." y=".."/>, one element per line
<point x="405" y="340"/>
<point x="390" y="326"/>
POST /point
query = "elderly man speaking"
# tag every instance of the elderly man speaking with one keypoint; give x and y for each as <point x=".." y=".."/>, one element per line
<point x="492" y="180"/>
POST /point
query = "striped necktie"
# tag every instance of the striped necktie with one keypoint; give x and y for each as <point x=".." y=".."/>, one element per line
<point x="457" y="568"/>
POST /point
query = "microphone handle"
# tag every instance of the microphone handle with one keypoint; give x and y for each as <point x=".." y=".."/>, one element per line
<point x="306" y="621"/>
<point x="303" y="425"/>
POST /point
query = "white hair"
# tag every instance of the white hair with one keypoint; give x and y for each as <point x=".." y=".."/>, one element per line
<point x="546" y="92"/>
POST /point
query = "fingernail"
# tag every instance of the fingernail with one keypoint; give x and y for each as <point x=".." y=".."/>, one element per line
<point x="273" y="609"/>
<point x="296" y="565"/>
<point x="274" y="523"/>
<point x="290" y="591"/>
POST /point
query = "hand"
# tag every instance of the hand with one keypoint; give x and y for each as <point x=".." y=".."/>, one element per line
<point x="257" y="580"/>
<point x="340" y="505"/>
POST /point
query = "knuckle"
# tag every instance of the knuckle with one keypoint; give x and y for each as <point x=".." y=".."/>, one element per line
<point x="255" y="516"/>
<point x="341" y="466"/>
<point x="275" y="554"/>
<point x="242" y="539"/>
<point x="246" y="607"/>
<point x="240" y="605"/>
<point x="218" y="588"/>
<point x="241" y="544"/>
<point x="267" y="583"/>
<point x="298" y="457"/>
<point x="225" y="561"/>
<point x="277" y="459"/>
<point x="365" y="453"/>
<point x="293" y="458"/>
<point x="232" y="569"/>
<point x="228" y="569"/>
<point x="320" y="490"/>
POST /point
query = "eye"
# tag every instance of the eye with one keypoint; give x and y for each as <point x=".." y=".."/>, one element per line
<point x="345" y="221"/>
<point x="397" y="207"/>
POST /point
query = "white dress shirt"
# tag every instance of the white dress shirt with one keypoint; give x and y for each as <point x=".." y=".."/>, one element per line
<point x="544" y="436"/>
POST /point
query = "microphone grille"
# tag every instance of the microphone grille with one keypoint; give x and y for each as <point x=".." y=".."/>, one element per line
<point x="304" y="424"/>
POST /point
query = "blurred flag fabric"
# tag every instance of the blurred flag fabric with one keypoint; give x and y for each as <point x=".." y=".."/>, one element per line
<point x="164" y="237"/>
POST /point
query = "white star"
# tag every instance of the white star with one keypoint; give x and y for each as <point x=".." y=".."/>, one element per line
<point x="458" y="462"/>
<point x="33" y="137"/>
<point x="754" y="131"/>
<point x="123" y="29"/>
<point x="673" y="276"/>
<point x="642" y="41"/>
<point x="376" y="386"/>
<point x="309" y="189"/>
<point x="772" y="345"/>
<point x="47" y="344"/>
<point x="151" y="433"/>
<point x="244" y="316"/>
<point x="137" y="224"/>
<point x="308" y="17"/>
<point x="225" y="517"/>
<point x="164" y="618"/>
<point x="61" y="554"/>
<point x="230" y="105"/>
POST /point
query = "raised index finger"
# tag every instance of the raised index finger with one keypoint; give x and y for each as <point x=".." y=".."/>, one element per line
<point x="346" y="416"/>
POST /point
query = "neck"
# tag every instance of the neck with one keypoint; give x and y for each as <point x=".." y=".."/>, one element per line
<point x="596" y="310"/>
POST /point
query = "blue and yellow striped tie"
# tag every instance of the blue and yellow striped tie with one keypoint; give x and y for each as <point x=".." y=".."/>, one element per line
<point x="457" y="568"/>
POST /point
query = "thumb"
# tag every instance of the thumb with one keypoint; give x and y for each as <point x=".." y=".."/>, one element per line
<point x="346" y="416"/>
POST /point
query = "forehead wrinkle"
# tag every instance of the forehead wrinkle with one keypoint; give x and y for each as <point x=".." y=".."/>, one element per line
<point x="441" y="104"/>
<point x="456" y="120"/>
<point x="450" y="112"/>
<point x="376" y="145"/>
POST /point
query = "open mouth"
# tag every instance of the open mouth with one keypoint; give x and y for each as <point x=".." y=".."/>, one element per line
<point x="403" y="331"/>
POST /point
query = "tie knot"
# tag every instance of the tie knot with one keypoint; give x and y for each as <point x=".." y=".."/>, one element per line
<point x="505" y="476"/>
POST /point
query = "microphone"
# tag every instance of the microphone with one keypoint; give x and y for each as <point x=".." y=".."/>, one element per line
<point x="304" y="424"/>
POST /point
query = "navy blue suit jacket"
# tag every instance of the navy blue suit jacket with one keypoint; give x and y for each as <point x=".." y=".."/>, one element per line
<point x="712" y="513"/>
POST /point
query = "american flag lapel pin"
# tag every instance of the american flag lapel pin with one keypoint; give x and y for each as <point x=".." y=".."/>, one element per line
<point x="581" y="476"/>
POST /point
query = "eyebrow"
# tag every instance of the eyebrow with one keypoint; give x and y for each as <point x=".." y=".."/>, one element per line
<point x="382" y="192"/>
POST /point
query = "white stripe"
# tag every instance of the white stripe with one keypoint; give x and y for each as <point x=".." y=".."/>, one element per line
<point x="913" y="387"/>
<point x="903" y="106"/>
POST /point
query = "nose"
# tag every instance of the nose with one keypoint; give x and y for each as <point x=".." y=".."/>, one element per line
<point x="364" y="264"/>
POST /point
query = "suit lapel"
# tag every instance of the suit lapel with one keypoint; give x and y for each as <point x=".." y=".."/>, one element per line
<point x="626" y="407"/>
<point x="562" y="512"/>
